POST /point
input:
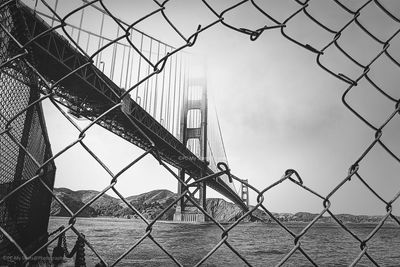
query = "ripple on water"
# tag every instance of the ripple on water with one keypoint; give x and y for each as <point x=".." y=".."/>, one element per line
<point x="257" y="243"/>
<point x="269" y="252"/>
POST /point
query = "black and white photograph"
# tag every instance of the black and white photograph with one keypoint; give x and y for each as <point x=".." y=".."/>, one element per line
<point x="199" y="133"/>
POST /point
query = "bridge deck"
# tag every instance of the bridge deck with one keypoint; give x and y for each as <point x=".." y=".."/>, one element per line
<point x="90" y="93"/>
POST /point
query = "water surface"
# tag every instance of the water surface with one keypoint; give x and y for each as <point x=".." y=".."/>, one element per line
<point x="260" y="244"/>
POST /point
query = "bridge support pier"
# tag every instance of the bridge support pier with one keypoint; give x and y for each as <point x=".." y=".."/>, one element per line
<point x="185" y="210"/>
<point x="194" y="136"/>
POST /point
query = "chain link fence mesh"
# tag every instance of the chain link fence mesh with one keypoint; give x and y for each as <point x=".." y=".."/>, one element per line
<point x="24" y="209"/>
<point x="27" y="165"/>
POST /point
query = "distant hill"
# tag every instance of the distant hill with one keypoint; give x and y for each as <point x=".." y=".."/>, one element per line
<point x="222" y="210"/>
<point x="308" y="217"/>
<point x="152" y="203"/>
<point x="72" y="201"/>
<point x="160" y="196"/>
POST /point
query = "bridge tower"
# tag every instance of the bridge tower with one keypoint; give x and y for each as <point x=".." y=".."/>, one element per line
<point x="244" y="192"/>
<point x="194" y="135"/>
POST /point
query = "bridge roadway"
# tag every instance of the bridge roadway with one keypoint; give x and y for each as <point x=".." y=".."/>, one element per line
<point x="90" y="93"/>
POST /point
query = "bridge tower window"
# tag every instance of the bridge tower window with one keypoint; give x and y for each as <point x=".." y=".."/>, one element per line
<point x="194" y="118"/>
<point x="193" y="144"/>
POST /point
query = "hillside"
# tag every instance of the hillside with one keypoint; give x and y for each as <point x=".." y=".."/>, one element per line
<point x="223" y="211"/>
<point x="72" y="200"/>
<point x="152" y="203"/>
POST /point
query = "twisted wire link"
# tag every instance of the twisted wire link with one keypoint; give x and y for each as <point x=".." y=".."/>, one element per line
<point x="51" y="90"/>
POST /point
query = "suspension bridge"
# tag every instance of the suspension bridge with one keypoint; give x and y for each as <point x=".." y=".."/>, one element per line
<point x="90" y="64"/>
<point x="167" y="111"/>
<point x="145" y="93"/>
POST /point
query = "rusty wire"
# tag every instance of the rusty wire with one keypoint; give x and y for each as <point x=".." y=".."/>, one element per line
<point x="49" y="89"/>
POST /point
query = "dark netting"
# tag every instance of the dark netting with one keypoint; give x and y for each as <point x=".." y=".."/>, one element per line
<point x="24" y="213"/>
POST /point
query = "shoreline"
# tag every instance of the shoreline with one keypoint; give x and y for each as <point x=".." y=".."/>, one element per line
<point x="333" y="223"/>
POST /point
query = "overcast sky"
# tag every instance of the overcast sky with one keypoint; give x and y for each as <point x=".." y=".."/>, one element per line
<point x="278" y="110"/>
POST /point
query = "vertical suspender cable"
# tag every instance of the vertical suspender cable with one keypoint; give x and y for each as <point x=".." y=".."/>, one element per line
<point x="80" y="26"/>
<point x="168" y="94"/>
<point x="162" y="89"/>
<point x="122" y="67"/>
<point x="98" y="58"/>
<point x="87" y="44"/>
<point x="128" y="65"/>
<point x="174" y="96"/>
<point x="179" y="97"/>
<point x="55" y="11"/>
<point x="146" y="88"/>
<point x="150" y="94"/>
<point x="131" y="72"/>
<point x="140" y="62"/>
<point x="156" y="89"/>
<point x="153" y="91"/>
<point x="113" y="59"/>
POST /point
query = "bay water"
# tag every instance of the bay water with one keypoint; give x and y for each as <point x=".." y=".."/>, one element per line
<point x="260" y="244"/>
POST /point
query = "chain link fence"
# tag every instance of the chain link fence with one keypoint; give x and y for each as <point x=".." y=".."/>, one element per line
<point x="27" y="165"/>
<point x="23" y="146"/>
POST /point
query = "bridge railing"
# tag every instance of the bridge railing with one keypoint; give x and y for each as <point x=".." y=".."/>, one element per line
<point x="128" y="58"/>
<point x="300" y="8"/>
<point x="162" y="95"/>
<point x="125" y="56"/>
